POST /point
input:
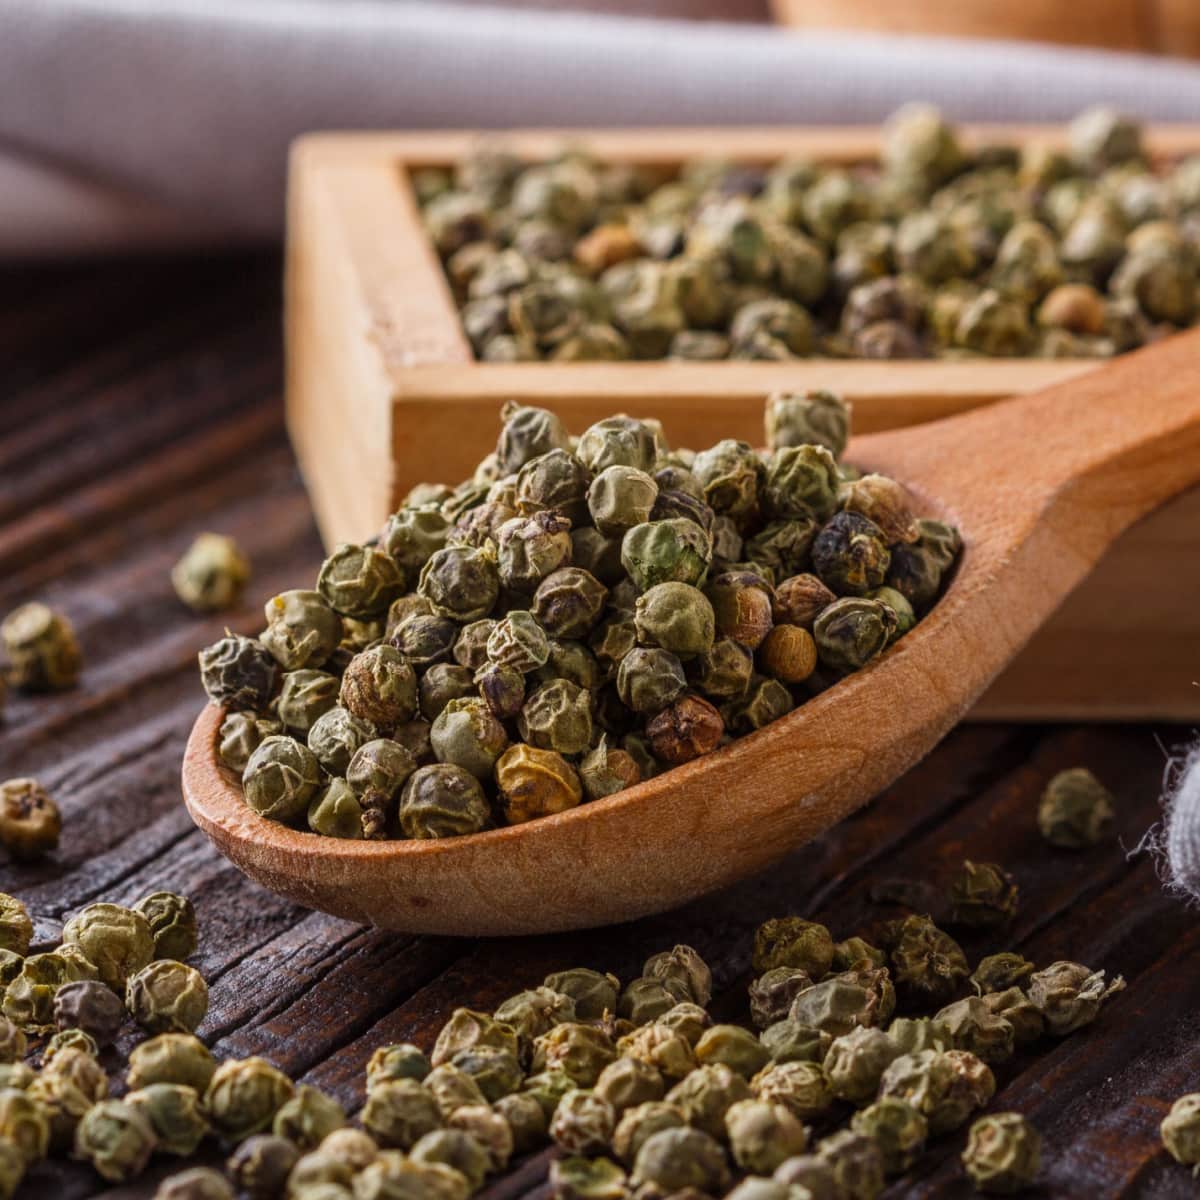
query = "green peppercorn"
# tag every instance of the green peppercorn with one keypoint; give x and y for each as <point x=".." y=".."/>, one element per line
<point x="442" y="800"/>
<point x="173" y="1112"/>
<point x="211" y="574"/>
<point x="244" y="1095"/>
<point x="1002" y="1154"/>
<point x="43" y="654"/>
<point x="1076" y="810"/>
<point x="281" y="778"/>
<point x="167" y="997"/>
<point x="116" y="1139"/>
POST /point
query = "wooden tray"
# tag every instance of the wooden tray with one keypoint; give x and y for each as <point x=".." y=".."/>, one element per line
<point x="383" y="391"/>
<point x="1145" y="26"/>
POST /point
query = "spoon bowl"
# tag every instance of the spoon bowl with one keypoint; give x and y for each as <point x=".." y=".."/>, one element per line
<point x="1039" y="487"/>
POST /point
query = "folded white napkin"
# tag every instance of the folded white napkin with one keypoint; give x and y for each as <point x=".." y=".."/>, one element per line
<point x="126" y="122"/>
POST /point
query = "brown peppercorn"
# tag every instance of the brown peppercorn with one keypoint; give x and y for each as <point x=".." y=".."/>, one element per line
<point x="789" y="654"/>
<point x="1076" y="307"/>
<point x="741" y="605"/>
<point x="29" y="819"/>
<point x="535" y="783"/>
<point x="685" y="730"/>
<point x="605" y="246"/>
<point x="800" y="599"/>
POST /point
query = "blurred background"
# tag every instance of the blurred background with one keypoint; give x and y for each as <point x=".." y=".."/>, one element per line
<point x="139" y="123"/>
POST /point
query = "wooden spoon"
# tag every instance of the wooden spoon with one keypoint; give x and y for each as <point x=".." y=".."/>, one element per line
<point x="1039" y="486"/>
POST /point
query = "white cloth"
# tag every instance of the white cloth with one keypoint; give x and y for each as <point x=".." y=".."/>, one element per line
<point x="1178" y="841"/>
<point x="127" y="121"/>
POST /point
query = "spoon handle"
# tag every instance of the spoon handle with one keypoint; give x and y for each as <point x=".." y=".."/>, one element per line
<point x="1089" y="456"/>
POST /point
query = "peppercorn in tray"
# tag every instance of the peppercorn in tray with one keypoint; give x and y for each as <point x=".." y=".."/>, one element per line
<point x="935" y="251"/>
<point x="581" y="615"/>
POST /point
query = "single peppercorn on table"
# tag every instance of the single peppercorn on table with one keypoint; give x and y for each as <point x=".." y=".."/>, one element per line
<point x="100" y="497"/>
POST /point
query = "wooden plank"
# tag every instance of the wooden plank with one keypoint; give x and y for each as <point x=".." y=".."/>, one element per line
<point x="325" y="995"/>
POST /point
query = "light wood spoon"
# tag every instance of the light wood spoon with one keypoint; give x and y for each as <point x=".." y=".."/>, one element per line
<point x="1039" y="486"/>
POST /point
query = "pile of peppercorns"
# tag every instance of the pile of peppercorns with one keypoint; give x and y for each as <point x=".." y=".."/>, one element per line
<point x="935" y="251"/>
<point x="580" y="615"/>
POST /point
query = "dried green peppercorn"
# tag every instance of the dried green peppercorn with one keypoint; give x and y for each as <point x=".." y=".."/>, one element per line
<point x="424" y="639"/>
<point x="281" y="778"/>
<point x="442" y="800"/>
<point x="173" y="923"/>
<point x="118" y="941"/>
<point x="360" y="581"/>
<point x="662" y="551"/>
<point x="606" y="770"/>
<point x="583" y="1123"/>
<point x="116" y="1139"/>
<point x="377" y="772"/>
<point x="856" y="1162"/>
<point x="335" y="811"/>
<point x="971" y="1024"/>
<point x="851" y="554"/>
<point x="856" y="1061"/>
<point x="944" y="1086"/>
<point x="167" y="997"/>
<point x="897" y="1128"/>
<point x="211" y="574"/>
<point x="350" y="1146"/>
<point x="305" y="696"/>
<point x="401" y="1061"/>
<point x="850" y="632"/>
<point x="30" y="821"/>
<point x="557" y="716"/>
<point x="392" y="1174"/>
<point x="240" y="735"/>
<point x="171" y="1058"/>
<point x="999" y="972"/>
<point x="1002" y="1154"/>
<point x="794" y="1041"/>
<point x="16" y="929"/>
<point x="244" y="1095"/>
<point x="799" y="1086"/>
<point x="454" y="1149"/>
<point x="706" y="1094"/>
<point x="315" y="1173"/>
<point x="569" y="602"/>
<point x="1069" y="995"/>
<point x="413" y="534"/>
<point x="173" y="1112"/>
<point x="1180" y="1130"/>
<point x="580" y="1051"/>
<point x="674" y="1159"/>
<point x="1076" y="810"/>
<point x="862" y="996"/>
<point x="982" y="896"/>
<point x="929" y="965"/>
<point x="29" y="997"/>
<point x="733" y="1047"/>
<point x="793" y="942"/>
<point x="43" y="654"/>
<point x="467" y="735"/>
<point x="399" y="1112"/>
<point x="592" y="993"/>
<point x="741" y="605"/>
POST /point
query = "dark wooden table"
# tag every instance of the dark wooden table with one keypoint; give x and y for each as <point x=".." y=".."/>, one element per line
<point x="140" y="405"/>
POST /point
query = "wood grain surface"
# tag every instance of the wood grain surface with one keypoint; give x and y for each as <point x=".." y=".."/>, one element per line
<point x="140" y="406"/>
